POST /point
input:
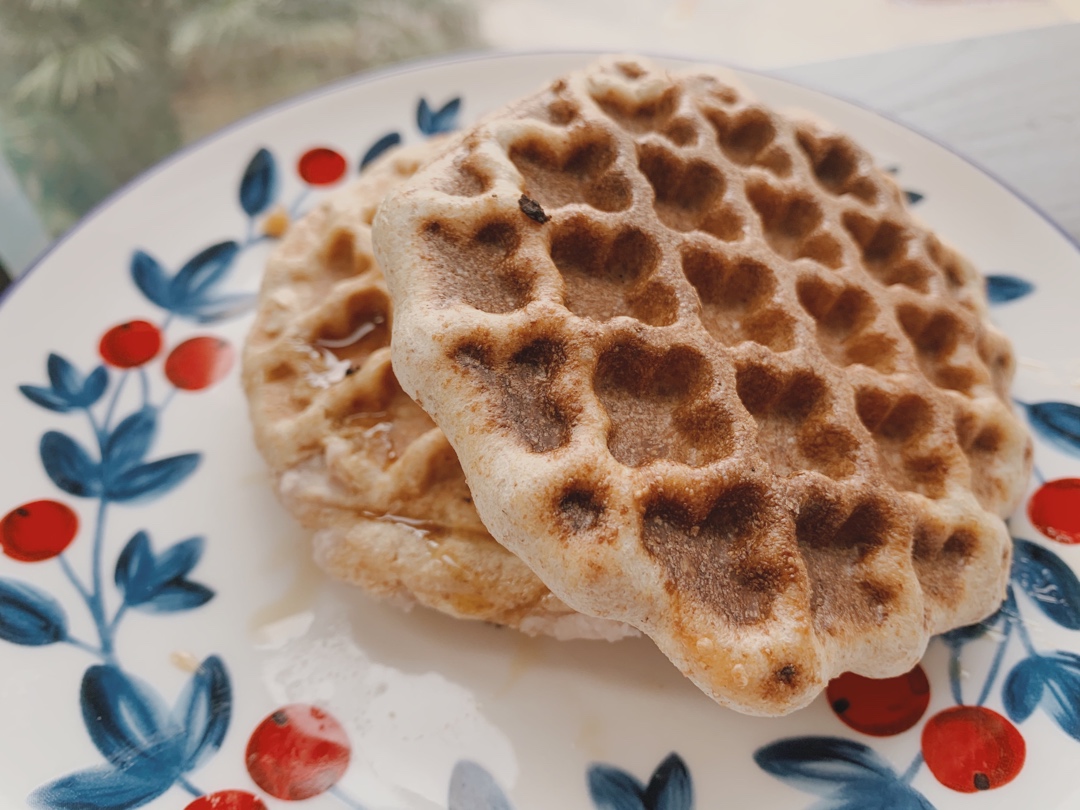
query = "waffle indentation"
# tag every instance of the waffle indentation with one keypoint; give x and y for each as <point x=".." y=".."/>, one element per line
<point x="342" y="259"/>
<point x="936" y="336"/>
<point x="842" y="315"/>
<point x="355" y="326"/>
<point x="580" y="508"/>
<point x="898" y="425"/>
<point x="792" y="433"/>
<point x="579" y="171"/>
<point x="479" y="267"/>
<point x="747" y="138"/>
<point x="655" y="400"/>
<point x="466" y="180"/>
<point x="603" y="271"/>
<point x="792" y="221"/>
<point x="640" y="115"/>
<point x="724" y="560"/>
<point x="528" y="408"/>
<point x="687" y="193"/>
<point x="735" y="295"/>
<point x="957" y="272"/>
<point x="836" y="165"/>
<point x="939" y="554"/>
<point x="836" y="541"/>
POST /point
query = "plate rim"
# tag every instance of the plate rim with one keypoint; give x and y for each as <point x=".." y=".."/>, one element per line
<point x="422" y="63"/>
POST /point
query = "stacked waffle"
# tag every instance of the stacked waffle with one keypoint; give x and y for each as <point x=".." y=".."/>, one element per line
<point x="638" y="353"/>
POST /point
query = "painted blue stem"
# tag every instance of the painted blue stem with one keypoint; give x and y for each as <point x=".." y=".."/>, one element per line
<point x="294" y="209"/>
<point x="995" y="664"/>
<point x="912" y="769"/>
<point x="69" y="572"/>
<point x="97" y="593"/>
<point x="345" y="798"/>
<point x="82" y="645"/>
<point x="166" y="400"/>
<point x="1025" y="638"/>
<point x="954" y="676"/>
<point x="116" y="619"/>
<point x="112" y="406"/>
<point x="144" y="384"/>
<point x="99" y="431"/>
<point x="182" y="782"/>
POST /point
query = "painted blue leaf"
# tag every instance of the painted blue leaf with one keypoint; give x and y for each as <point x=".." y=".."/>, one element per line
<point x="69" y="465"/>
<point x="258" y="186"/>
<point x="129" y="723"/>
<point x="205" y="269"/>
<point x="220" y="308"/>
<point x="64" y="377"/>
<point x="130" y="442"/>
<point x="135" y="568"/>
<point x="821" y="765"/>
<point x="875" y="795"/>
<point x="614" y="789"/>
<point x="29" y="616"/>
<point x="100" y="789"/>
<point x="424" y="117"/>
<point x="670" y="787"/>
<point x="46" y="398"/>
<point x="473" y="788"/>
<point x="1023" y="689"/>
<point x="177" y="561"/>
<point x="153" y="479"/>
<point x="445" y="119"/>
<point x="1048" y="581"/>
<point x="96" y="383"/>
<point x="1002" y="289"/>
<point x="157" y="584"/>
<point x="176" y="596"/>
<point x="387" y="141"/>
<point x="913" y="197"/>
<point x="150" y="278"/>
<point x="433" y="122"/>
<point x="1058" y="423"/>
<point x="1050" y="681"/>
<point x="203" y="711"/>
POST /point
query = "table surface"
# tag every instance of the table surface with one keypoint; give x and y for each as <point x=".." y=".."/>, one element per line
<point x="1009" y="102"/>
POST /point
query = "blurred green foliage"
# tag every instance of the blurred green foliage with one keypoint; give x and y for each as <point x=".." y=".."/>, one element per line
<point x="94" y="91"/>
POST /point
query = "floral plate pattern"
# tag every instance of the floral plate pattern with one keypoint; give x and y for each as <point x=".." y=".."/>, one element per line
<point x="167" y="653"/>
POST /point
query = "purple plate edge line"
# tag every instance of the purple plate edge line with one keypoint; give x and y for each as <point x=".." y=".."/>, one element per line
<point x="427" y="62"/>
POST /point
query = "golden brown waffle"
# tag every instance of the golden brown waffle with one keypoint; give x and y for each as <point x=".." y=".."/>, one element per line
<point x="709" y="377"/>
<point x="353" y="458"/>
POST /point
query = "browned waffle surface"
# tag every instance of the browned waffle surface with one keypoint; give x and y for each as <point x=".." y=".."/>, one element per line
<point x="356" y="461"/>
<point x="707" y="375"/>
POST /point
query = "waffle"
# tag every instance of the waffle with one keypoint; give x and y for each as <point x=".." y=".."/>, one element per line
<point x="707" y="375"/>
<point x="355" y="461"/>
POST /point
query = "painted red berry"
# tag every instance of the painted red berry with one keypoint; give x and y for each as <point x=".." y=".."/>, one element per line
<point x="970" y="748"/>
<point x="130" y="344"/>
<point x="227" y="800"/>
<point x="321" y="166"/>
<point x="199" y="362"/>
<point x="298" y="752"/>
<point x="880" y="707"/>
<point x="1054" y="509"/>
<point x="38" y="530"/>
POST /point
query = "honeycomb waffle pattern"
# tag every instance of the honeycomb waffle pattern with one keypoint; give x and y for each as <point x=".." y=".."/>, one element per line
<point x="731" y="393"/>
<point x="356" y="461"/>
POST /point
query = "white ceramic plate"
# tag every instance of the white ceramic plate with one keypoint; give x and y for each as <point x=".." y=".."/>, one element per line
<point x="140" y="666"/>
